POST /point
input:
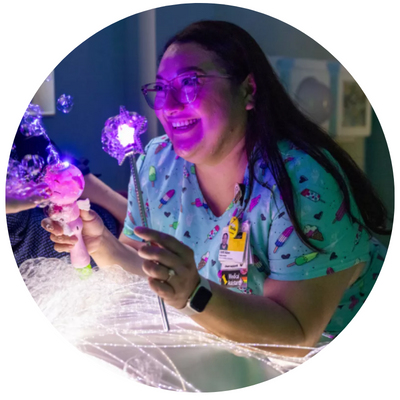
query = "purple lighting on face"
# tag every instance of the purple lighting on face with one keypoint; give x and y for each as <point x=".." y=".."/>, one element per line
<point x="120" y="135"/>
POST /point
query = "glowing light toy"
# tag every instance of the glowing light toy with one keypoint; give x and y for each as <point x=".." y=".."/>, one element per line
<point x="120" y="139"/>
<point x="24" y="178"/>
<point x="65" y="103"/>
<point x="66" y="183"/>
<point x="60" y="184"/>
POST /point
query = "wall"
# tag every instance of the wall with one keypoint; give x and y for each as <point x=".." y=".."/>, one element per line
<point x="274" y="36"/>
<point x="379" y="168"/>
<point x="95" y="75"/>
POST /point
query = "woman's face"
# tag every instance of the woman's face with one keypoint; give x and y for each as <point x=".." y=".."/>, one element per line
<point x="215" y="121"/>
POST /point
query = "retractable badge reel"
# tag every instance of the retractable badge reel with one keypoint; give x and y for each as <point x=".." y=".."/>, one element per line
<point x="233" y="260"/>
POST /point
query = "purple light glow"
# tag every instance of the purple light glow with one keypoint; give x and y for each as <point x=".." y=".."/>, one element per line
<point x="25" y="178"/>
<point x="120" y="135"/>
<point x="65" y="103"/>
<point x="66" y="183"/>
<point x="31" y="124"/>
<point x="125" y="135"/>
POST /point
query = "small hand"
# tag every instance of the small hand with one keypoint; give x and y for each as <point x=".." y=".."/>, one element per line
<point x="37" y="195"/>
<point x="167" y="253"/>
<point x="14" y="206"/>
<point x="92" y="231"/>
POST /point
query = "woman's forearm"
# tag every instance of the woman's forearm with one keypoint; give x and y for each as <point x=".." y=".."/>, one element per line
<point x="100" y="193"/>
<point x="251" y="319"/>
<point x="112" y="251"/>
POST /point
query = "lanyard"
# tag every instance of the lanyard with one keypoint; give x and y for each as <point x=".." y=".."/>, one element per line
<point x="242" y="197"/>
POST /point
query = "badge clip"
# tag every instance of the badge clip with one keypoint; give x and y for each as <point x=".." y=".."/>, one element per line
<point x="233" y="227"/>
<point x="237" y="194"/>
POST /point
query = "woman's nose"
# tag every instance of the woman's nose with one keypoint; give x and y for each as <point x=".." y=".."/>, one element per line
<point x="171" y="105"/>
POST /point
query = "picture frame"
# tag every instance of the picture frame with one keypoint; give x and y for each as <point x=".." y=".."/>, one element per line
<point x="45" y="96"/>
<point x="326" y="92"/>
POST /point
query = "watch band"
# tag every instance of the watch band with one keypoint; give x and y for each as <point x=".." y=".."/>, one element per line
<point x="198" y="299"/>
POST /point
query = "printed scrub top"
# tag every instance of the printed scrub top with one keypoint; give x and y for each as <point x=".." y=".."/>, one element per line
<point x="175" y="205"/>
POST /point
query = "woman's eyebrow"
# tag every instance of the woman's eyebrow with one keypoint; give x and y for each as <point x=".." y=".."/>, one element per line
<point x="183" y="70"/>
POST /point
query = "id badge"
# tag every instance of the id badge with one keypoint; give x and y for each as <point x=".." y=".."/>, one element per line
<point x="234" y="257"/>
<point x="234" y="244"/>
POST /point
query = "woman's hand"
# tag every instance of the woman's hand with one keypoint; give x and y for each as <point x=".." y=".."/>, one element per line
<point x="167" y="253"/>
<point x="92" y="231"/>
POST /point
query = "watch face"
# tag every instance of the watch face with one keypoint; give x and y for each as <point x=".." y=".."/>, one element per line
<point x="200" y="299"/>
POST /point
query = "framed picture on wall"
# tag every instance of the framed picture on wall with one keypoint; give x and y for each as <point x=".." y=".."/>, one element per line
<point x="354" y="110"/>
<point x="45" y="96"/>
<point x="327" y="94"/>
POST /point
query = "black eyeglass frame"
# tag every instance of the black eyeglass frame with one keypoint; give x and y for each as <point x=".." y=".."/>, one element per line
<point x="145" y="88"/>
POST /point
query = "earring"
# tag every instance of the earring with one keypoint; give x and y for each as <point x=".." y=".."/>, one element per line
<point x="250" y="104"/>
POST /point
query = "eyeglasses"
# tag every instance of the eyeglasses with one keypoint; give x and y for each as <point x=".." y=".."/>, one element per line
<point x="184" y="88"/>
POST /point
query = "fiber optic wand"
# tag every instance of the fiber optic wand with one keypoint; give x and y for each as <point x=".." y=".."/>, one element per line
<point x="120" y="139"/>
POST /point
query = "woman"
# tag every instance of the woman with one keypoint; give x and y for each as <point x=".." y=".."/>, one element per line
<point x="238" y="151"/>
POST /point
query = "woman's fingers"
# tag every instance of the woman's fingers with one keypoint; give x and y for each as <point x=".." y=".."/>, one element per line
<point x="161" y="256"/>
<point x="63" y="248"/>
<point x="63" y="243"/>
<point x="168" y="254"/>
<point x="165" y="241"/>
<point x="51" y="226"/>
<point x="162" y="289"/>
<point x="64" y="239"/>
<point x="156" y="271"/>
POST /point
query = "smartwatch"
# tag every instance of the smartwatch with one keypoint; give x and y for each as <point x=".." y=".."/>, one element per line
<point x="199" y="299"/>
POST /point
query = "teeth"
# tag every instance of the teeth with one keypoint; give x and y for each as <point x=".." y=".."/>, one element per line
<point x="179" y="124"/>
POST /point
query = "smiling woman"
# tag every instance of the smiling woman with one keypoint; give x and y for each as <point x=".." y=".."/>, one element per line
<point x="215" y="108"/>
<point x="240" y="162"/>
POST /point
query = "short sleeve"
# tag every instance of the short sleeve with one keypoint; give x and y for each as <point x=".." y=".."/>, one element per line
<point x="323" y="218"/>
<point x="133" y="218"/>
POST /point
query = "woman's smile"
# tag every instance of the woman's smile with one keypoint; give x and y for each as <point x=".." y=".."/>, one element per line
<point x="184" y="125"/>
<point x="205" y="130"/>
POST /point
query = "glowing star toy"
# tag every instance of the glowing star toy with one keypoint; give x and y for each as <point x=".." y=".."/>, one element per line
<point x="120" y="139"/>
<point x="120" y="135"/>
<point x="66" y="183"/>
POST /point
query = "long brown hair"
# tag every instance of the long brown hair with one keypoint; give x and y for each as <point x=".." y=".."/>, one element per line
<point x="275" y="117"/>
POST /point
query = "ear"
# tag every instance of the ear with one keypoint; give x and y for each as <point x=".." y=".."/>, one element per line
<point x="249" y="87"/>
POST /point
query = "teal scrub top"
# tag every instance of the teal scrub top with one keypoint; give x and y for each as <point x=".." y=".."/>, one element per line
<point x="175" y="205"/>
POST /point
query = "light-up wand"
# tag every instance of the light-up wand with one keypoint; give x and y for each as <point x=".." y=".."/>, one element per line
<point x="120" y="139"/>
<point x="59" y="184"/>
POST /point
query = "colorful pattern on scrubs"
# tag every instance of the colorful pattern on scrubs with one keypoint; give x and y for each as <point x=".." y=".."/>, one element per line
<point x="175" y="205"/>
